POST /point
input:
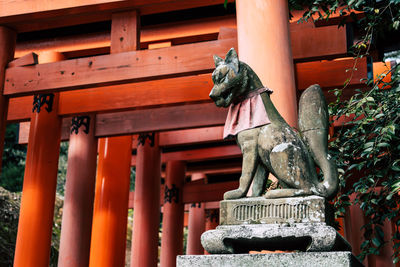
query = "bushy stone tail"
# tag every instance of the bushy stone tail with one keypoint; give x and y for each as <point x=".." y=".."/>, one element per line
<point x="313" y="126"/>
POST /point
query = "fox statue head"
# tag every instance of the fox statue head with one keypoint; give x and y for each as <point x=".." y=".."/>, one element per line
<point x="232" y="79"/>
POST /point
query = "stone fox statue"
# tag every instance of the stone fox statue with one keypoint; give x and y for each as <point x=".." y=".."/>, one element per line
<point x="268" y="143"/>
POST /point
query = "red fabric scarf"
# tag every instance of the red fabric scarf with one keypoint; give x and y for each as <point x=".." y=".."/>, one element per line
<point x="247" y="114"/>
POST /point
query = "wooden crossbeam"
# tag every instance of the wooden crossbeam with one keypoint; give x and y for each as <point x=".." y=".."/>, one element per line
<point x="193" y="193"/>
<point x="335" y="18"/>
<point x="153" y="64"/>
<point x="171" y="91"/>
<point x="34" y="15"/>
<point x="116" y="68"/>
<point x="99" y="42"/>
<point x="307" y="42"/>
<point x="215" y="167"/>
<point x="200" y="154"/>
<point x="186" y="137"/>
<point x="156" y="119"/>
<point x="19" y="9"/>
<point x="26" y="60"/>
<point x="219" y="152"/>
<point x="310" y="43"/>
<point x="207" y="205"/>
<point x="166" y="139"/>
<point x="160" y="119"/>
<point x="191" y="136"/>
<point x="329" y="74"/>
<point x="217" y="170"/>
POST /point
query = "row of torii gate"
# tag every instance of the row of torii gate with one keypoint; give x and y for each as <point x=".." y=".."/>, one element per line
<point x="117" y="87"/>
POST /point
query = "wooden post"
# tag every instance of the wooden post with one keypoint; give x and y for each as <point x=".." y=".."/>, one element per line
<point x="395" y="228"/>
<point x="111" y="202"/>
<point x="212" y="221"/>
<point x="7" y="47"/>
<point x="79" y="194"/>
<point x="264" y="44"/>
<point x="146" y="207"/>
<point x="172" y="226"/>
<point x="196" y="227"/>
<point x="113" y="173"/>
<point x="385" y="253"/>
<point x="40" y="179"/>
<point x="354" y="219"/>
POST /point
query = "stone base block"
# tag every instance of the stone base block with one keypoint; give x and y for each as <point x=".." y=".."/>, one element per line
<point x="226" y="239"/>
<point x="255" y="210"/>
<point x="306" y="259"/>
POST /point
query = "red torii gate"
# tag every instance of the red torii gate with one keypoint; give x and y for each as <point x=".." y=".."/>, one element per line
<point x="102" y="71"/>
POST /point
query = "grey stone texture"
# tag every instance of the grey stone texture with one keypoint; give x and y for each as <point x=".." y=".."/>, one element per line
<point x="258" y="210"/>
<point x="227" y="239"/>
<point x="306" y="259"/>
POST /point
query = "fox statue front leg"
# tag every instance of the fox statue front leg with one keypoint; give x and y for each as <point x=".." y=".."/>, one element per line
<point x="247" y="141"/>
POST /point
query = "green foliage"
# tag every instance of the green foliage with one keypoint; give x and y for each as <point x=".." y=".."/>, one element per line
<point x="62" y="168"/>
<point x="56" y="232"/>
<point x="13" y="164"/>
<point x="367" y="149"/>
<point x="12" y="172"/>
<point x="9" y="214"/>
<point x="11" y="179"/>
<point x="9" y="211"/>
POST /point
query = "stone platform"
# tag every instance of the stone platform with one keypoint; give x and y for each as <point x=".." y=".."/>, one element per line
<point x="298" y="224"/>
<point x="227" y="239"/>
<point x="305" y="259"/>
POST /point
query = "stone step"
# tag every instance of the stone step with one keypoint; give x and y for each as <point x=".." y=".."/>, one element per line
<point x="305" y="259"/>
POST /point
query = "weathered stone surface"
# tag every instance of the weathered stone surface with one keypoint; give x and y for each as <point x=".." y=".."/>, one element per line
<point x="226" y="239"/>
<point x="307" y="259"/>
<point x="258" y="210"/>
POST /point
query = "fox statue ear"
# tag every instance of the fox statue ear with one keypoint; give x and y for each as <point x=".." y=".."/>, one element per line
<point x="232" y="58"/>
<point x="217" y="60"/>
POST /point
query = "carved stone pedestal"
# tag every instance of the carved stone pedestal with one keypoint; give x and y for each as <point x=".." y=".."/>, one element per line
<point x="227" y="239"/>
<point x="258" y="210"/>
<point x="299" y="224"/>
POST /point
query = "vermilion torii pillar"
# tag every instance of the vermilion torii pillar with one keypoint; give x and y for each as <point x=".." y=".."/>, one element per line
<point x="264" y="44"/>
<point x="79" y="194"/>
<point x="7" y="47"/>
<point x="146" y="206"/>
<point x="113" y="173"/>
<point x="212" y="219"/>
<point x="111" y="202"/>
<point x="196" y="222"/>
<point x="173" y="210"/>
<point x="40" y="179"/>
<point x="196" y="227"/>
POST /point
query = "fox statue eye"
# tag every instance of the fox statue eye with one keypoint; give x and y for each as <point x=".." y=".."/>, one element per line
<point x="220" y="74"/>
<point x="222" y="77"/>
